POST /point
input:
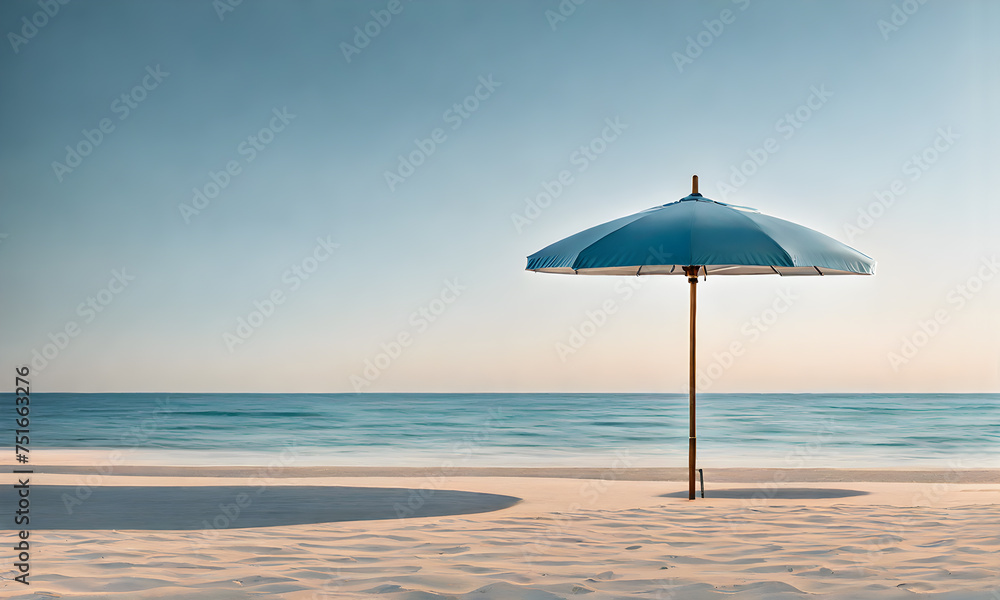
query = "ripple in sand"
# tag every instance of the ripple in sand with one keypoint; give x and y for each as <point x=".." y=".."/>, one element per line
<point x="253" y="580"/>
<point x="475" y="570"/>
<point x="916" y="586"/>
<point x="507" y="591"/>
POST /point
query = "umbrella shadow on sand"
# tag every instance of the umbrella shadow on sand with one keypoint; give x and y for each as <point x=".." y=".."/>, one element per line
<point x="222" y="507"/>
<point x="776" y="494"/>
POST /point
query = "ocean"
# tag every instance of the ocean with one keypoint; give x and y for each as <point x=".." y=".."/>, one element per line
<point x="521" y="430"/>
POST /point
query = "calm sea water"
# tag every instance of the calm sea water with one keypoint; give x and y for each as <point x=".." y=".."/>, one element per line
<point x="650" y="430"/>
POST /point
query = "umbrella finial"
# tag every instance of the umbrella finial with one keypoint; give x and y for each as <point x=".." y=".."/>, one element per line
<point x="694" y="185"/>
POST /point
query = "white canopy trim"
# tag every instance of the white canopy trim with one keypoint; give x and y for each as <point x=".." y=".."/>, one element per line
<point x="638" y="270"/>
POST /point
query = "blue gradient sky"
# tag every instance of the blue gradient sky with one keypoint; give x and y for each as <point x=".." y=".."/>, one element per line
<point x="449" y="225"/>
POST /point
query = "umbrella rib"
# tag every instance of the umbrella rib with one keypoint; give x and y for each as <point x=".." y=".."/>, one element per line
<point x="691" y="224"/>
<point x="777" y="245"/>
<point x="637" y="216"/>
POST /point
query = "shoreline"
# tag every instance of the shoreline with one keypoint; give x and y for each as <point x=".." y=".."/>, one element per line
<point x="665" y="474"/>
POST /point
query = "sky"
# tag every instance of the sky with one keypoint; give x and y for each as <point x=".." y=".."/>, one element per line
<point x="265" y="196"/>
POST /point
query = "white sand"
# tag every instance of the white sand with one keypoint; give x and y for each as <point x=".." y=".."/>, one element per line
<point x="566" y="538"/>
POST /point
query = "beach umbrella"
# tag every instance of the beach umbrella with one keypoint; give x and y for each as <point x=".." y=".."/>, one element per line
<point x="697" y="237"/>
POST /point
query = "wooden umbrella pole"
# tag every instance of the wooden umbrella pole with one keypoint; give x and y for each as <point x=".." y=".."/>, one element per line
<point x="692" y="273"/>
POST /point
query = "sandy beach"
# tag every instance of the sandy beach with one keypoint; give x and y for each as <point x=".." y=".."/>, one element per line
<point x="405" y="533"/>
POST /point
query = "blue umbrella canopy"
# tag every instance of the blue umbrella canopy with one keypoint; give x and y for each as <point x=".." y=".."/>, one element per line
<point x="697" y="236"/>
<point x="721" y="239"/>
